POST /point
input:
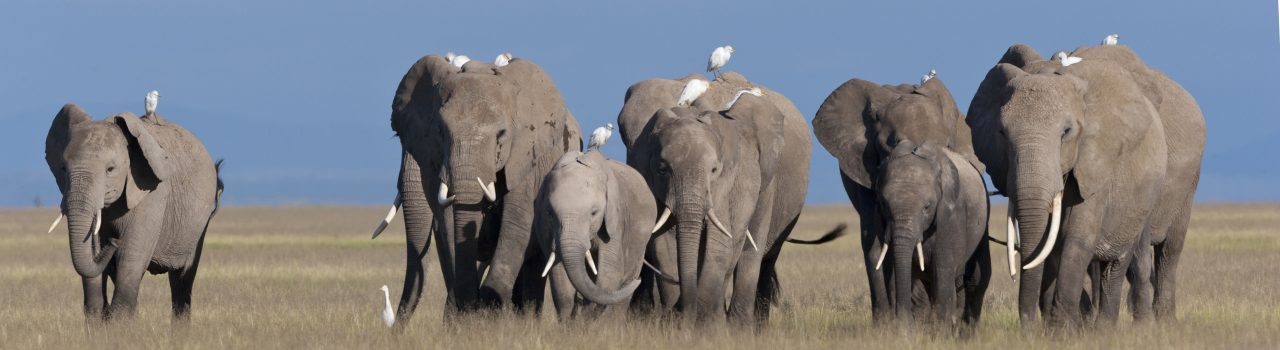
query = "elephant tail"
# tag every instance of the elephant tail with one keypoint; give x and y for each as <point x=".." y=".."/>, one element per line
<point x="217" y="196"/>
<point x="835" y="233"/>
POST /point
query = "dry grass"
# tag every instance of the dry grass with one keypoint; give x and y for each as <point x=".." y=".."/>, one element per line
<point x="309" y="278"/>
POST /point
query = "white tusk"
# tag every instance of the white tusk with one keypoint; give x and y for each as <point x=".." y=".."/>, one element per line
<point x="666" y="213"/>
<point x="395" y="206"/>
<point x="488" y="190"/>
<point x="920" y="254"/>
<point x="1011" y="236"/>
<point x="484" y="271"/>
<point x="1055" y="222"/>
<point x="884" y="251"/>
<point x="591" y="261"/>
<point x="443" y="198"/>
<point x="55" y="223"/>
<point x="752" y="241"/>
<point x="550" y="262"/>
<point x="714" y="221"/>
<point x="97" y="223"/>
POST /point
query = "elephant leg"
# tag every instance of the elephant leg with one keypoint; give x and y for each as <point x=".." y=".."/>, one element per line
<point x="642" y="302"/>
<point x="1166" y="269"/>
<point x="530" y="287"/>
<point x="181" y="283"/>
<point x="746" y="279"/>
<point x="562" y="292"/>
<point x="1112" y="293"/>
<point x="976" y="279"/>
<point x="871" y="228"/>
<point x="943" y="290"/>
<point x="418" y="219"/>
<point x="513" y="242"/>
<point x="769" y="289"/>
<point x="1139" y="276"/>
<point x="664" y="248"/>
<point x="1072" y="267"/>
<point x="95" y="296"/>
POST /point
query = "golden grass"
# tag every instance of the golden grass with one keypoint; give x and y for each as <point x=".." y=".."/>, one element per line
<point x="308" y="277"/>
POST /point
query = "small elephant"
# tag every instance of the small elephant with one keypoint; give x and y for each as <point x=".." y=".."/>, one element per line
<point x="934" y="203"/>
<point x="138" y="194"/>
<point x="589" y="203"/>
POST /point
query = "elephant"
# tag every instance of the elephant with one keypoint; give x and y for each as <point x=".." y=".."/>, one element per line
<point x="1097" y="158"/>
<point x="481" y="138"/>
<point x="138" y="195"/>
<point x="589" y="202"/>
<point x="743" y="168"/>
<point x="859" y="123"/>
<point x="934" y="204"/>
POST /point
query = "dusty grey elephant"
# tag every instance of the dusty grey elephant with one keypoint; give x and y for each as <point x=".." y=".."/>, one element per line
<point x="859" y="123"/>
<point x="1107" y="152"/>
<point x="477" y="141"/>
<point x="588" y="203"/>
<point x="138" y="195"/>
<point x="934" y="204"/>
<point x="720" y="174"/>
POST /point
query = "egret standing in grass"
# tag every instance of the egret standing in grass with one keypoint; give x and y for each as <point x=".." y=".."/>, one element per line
<point x="692" y="90"/>
<point x="933" y="73"/>
<point x="152" y="99"/>
<point x="719" y="58"/>
<point x="1068" y="60"/>
<point x="1111" y="39"/>
<point x="388" y="314"/>
<point x="502" y="59"/>
<point x="460" y="60"/>
<point x="600" y="136"/>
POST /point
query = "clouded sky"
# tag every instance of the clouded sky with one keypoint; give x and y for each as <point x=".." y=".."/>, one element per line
<point x="296" y="95"/>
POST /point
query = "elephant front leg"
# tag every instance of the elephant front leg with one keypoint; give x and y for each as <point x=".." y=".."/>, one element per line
<point x="872" y="228"/>
<point x="746" y="278"/>
<point x="513" y="243"/>
<point x="562" y="292"/>
<point x="95" y="297"/>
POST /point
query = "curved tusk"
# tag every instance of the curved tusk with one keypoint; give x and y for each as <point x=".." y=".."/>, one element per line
<point x="443" y="198"/>
<point x="395" y="206"/>
<point x="1011" y="236"/>
<point x="666" y="214"/>
<point x="752" y="241"/>
<point x="884" y="251"/>
<point x="920" y="254"/>
<point x="1054" y="224"/>
<point x="591" y="261"/>
<point x="55" y="223"/>
<point x="488" y="190"/>
<point x="97" y="224"/>
<point x="550" y="262"/>
<point x="714" y="221"/>
<point x="659" y="272"/>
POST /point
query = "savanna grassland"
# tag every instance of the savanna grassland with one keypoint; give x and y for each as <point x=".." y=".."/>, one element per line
<point x="308" y="277"/>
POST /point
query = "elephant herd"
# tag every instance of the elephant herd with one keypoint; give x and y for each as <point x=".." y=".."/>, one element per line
<point x="1098" y="154"/>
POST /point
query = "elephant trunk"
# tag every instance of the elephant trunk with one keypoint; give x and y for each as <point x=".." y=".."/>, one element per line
<point x="468" y="217"/>
<point x="573" y="244"/>
<point x="1036" y="180"/>
<point x="83" y="206"/>
<point x="691" y="213"/>
<point x="904" y="237"/>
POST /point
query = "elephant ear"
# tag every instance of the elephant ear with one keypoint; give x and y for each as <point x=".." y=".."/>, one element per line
<point x="155" y="164"/>
<point x="843" y="124"/>
<point x="540" y="122"/>
<point x="766" y="121"/>
<point x="416" y="105"/>
<point x="1119" y="119"/>
<point x="55" y="143"/>
<point x="629" y="207"/>
<point x="961" y="138"/>
<point x="984" y="121"/>
<point x="642" y="101"/>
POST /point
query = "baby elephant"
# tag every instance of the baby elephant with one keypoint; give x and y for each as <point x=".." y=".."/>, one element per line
<point x="934" y="204"/>
<point x="138" y="194"/>
<point x="589" y="203"/>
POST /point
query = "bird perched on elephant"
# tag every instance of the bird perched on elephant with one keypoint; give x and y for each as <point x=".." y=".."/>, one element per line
<point x="934" y="206"/>
<point x="733" y="177"/>
<point x="138" y="195"/>
<point x="589" y="203"/>
<point x="859" y="123"/>
<point x="1096" y="158"/>
<point x="479" y="138"/>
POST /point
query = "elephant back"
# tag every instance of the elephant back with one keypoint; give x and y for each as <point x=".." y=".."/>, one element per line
<point x="645" y="98"/>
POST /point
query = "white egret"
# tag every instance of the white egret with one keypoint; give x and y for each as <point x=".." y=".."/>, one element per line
<point x="152" y="99"/>
<point x="719" y="58"/>
<point x="502" y="59"/>
<point x="1068" y="60"/>
<point x="449" y="56"/>
<point x="933" y="73"/>
<point x="753" y="91"/>
<point x="692" y="90"/>
<point x="388" y="314"/>
<point x="1111" y="39"/>
<point x="460" y="60"/>
<point x="600" y="136"/>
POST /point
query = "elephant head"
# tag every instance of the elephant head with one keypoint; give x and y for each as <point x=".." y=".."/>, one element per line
<point x="586" y="201"/>
<point x="109" y="164"/>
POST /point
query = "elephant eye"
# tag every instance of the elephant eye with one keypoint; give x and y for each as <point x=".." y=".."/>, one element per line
<point x="1066" y="131"/>
<point x="111" y="168"/>
<point x="595" y="211"/>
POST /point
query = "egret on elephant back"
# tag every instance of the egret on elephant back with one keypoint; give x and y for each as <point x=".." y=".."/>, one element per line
<point x="692" y="90"/>
<point x="719" y="58"/>
<point x="600" y="136"/>
<point x="1111" y="39"/>
<point x="925" y="78"/>
<point x="150" y="102"/>
<point x="502" y="60"/>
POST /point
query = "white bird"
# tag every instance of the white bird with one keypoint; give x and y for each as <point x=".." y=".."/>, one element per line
<point x="933" y="73"/>
<point x="600" y="136"/>
<point x="1068" y="60"/>
<point x="152" y="99"/>
<point x="692" y="90"/>
<point x="754" y="91"/>
<point x="460" y="60"/>
<point x="449" y="56"/>
<point x="719" y="58"/>
<point x="1111" y="39"/>
<point x="502" y="59"/>
<point x="388" y="314"/>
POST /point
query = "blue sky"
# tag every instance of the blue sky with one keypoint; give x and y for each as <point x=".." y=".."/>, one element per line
<point x="296" y="94"/>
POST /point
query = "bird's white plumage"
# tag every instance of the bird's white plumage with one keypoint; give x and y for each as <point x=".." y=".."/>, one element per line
<point x="503" y="59"/>
<point x="1068" y="60"/>
<point x="388" y="314"/>
<point x="719" y="58"/>
<point x="754" y="91"/>
<point x="933" y="73"/>
<point x="460" y="60"/>
<point x="449" y="56"/>
<point x="600" y="136"/>
<point x="153" y="98"/>
<point x="692" y="90"/>
<point x="1111" y="39"/>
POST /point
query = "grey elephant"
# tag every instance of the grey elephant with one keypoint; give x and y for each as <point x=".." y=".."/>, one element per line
<point x="859" y="124"/>
<point x="934" y="204"/>
<point x="479" y="140"/>
<point x="731" y="172"/>
<point x="138" y="195"/>
<point x="1096" y="157"/>
<point x="589" y="203"/>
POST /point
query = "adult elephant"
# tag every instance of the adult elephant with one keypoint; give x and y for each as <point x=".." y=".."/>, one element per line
<point x="1098" y="155"/>
<point x="743" y="169"/>
<point x="138" y="194"/>
<point x="480" y="138"/>
<point x="859" y="124"/>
